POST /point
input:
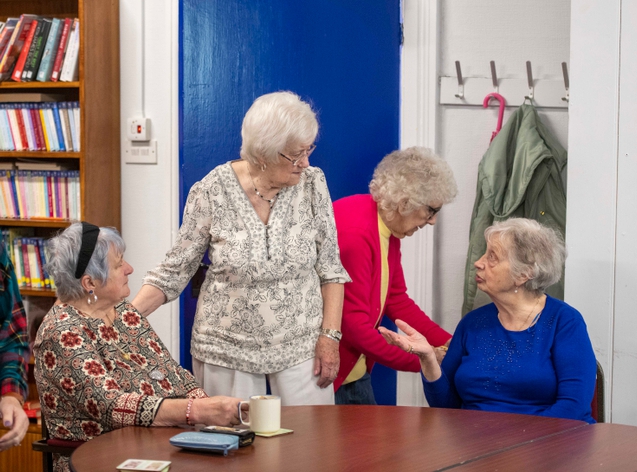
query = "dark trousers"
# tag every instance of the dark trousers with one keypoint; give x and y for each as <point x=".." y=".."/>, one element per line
<point x="359" y="392"/>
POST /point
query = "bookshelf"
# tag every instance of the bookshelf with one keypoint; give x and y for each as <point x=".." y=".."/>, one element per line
<point x="98" y="161"/>
<point x="97" y="91"/>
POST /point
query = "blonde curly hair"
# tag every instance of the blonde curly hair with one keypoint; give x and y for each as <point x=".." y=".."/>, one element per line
<point x="409" y="179"/>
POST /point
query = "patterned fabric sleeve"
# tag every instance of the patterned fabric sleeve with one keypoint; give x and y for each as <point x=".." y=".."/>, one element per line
<point x="182" y="260"/>
<point x="72" y="376"/>
<point x="14" y="346"/>
<point x="328" y="264"/>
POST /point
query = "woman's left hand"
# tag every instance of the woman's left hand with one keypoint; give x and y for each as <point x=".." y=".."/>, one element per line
<point x="326" y="361"/>
<point x="14" y="418"/>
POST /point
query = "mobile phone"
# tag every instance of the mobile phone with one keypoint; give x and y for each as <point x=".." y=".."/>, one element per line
<point x="246" y="436"/>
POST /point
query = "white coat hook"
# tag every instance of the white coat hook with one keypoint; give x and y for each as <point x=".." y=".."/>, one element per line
<point x="529" y="78"/>
<point x="566" y="81"/>
<point x="460" y="93"/>
<point x="494" y="77"/>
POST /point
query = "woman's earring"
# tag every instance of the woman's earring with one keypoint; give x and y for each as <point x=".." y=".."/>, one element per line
<point x="516" y="290"/>
<point x="92" y="298"/>
<point x="263" y="167"/>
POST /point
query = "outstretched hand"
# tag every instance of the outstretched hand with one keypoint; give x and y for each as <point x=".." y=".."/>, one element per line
<point x="412" y="341"/>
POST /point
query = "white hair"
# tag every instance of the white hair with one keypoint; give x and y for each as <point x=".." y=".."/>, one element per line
<point x="409" y="179"/>
<point x="273" y="122"/>
<point x="534" y="251"/>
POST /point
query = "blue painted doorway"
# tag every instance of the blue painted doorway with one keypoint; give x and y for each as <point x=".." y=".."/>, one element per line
<point x="343" y="56"/>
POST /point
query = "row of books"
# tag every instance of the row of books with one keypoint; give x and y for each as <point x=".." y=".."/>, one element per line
<point x="29" y="258"/>
<point x="50" y="126"/>
<point x="33" y="409"/>
<point x="37" y="48"/>
<point x="40" y="194"/>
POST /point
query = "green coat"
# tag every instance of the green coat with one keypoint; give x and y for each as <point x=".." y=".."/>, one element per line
<point x="519" y="176"/>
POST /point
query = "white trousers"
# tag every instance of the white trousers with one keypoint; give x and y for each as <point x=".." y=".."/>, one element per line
<point x="295" y="386"/>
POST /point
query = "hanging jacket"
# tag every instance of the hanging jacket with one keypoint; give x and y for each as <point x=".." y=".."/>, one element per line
<point x="520" y="175"/>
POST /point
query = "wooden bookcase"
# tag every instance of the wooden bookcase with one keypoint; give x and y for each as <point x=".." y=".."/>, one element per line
<point x="98" y="162"/>
<point x="97" y="91"/>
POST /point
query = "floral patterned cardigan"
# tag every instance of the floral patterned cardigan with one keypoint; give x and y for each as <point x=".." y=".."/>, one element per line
<point x="93" y="378"/>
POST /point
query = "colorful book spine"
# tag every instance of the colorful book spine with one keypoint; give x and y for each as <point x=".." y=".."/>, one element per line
<point x="50" y="48"/>
<point x="25" y="262"/>
<point x="59" y="55"/>
<point x="58" y="126"/>
<point x="26" y="118"/>
<point x="14" y="46"/>
<point x="18" y="264"/>
<point x="16" y="75"/>
<point x="37" y="49"/>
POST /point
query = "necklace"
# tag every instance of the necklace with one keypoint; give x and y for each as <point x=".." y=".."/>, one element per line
<point x="521" y="328"/>
<point x="269" y="200"/>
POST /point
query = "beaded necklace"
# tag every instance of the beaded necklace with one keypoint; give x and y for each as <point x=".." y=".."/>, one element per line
<point x="269" y="200"/>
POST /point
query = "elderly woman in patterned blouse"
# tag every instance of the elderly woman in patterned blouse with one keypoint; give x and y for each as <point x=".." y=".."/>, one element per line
<point x="99" y="365"/>
<point x="270" y="307"/>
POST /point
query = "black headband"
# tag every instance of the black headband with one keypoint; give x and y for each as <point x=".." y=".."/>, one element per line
<point x="89" y="240"/>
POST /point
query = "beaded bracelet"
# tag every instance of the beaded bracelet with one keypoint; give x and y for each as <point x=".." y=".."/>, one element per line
<point x="188" y="412"/>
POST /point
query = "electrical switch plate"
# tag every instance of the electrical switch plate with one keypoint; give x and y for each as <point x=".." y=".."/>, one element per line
<point x="138" y="129"/>
<point x="140" y="153"/>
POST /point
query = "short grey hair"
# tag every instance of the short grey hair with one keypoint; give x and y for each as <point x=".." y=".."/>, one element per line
<point x="63" y="251"/>
<point x="409" y="179"/>
<point x="533" y="250"/>
<point x="273" y="122"/>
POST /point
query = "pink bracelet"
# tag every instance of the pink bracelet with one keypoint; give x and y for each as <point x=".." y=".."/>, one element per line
<point x="188" y="412"/>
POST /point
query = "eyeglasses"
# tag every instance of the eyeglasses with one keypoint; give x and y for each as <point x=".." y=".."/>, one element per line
<point x="296" y="158"/>
<point x="432" y="212"/>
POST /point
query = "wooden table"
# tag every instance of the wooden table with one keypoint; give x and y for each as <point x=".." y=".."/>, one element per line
<point x="340" y="438"/>
<point x="593" y="448"/>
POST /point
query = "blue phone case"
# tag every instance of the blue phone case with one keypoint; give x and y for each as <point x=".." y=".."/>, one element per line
<point x="205" y="442"/>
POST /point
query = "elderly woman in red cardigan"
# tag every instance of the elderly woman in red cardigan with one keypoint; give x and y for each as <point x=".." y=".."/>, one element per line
<point x="408" y="189"/>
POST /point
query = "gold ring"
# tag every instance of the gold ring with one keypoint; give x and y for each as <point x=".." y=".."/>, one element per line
<point x="410" y="350"/>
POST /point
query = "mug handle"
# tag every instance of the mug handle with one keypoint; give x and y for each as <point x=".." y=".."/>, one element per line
<point x="240" y="416"/>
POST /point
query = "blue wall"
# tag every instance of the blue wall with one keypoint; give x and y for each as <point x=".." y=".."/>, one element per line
<point x="340" y="55"/>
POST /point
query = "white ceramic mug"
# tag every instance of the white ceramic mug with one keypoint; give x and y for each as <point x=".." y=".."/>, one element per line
<point x="264" y="415"/>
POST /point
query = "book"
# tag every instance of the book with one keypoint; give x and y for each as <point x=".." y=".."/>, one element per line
<point x="37" y="49"/>
<point x="50" y="48"/>
<point x="58" y="126"/>
<point x="21" y="127"/>
<point x="14" y="46"/>
<point x="26" y="118"/>
<point x="24" y="260"/>
<point x="135" y="465"/>
<point x="15" y="128"/>
<point x="45" y="273"/>
<point x="36" y="280"/>
<point x="5" y="34"/>
<point x="30" y="97"/>
<point x="50" y="126"/>
<point x="17" y="263"/>
<point x="69" y="71"/>
<point x="36" y="164"/>
<point x="31" y="405"/>
<point x="24" y="52"/>
<point x="45" y="131"/>
<point x="59" y="54"/>
<point x="66" y="127"/>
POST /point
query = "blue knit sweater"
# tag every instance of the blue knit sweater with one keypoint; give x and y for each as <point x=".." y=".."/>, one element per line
<point x="546" y="370"/>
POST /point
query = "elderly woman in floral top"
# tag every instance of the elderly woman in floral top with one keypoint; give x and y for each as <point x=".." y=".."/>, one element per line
<point x="270" y="307"/>
<point x="99" y="365"/>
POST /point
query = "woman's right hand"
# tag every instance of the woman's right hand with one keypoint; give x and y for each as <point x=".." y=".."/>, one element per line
<point x="412" y="341"/>
<point x="219" y="410"/>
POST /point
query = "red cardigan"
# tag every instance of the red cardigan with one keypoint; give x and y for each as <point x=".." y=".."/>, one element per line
<point x="359" y="242"/>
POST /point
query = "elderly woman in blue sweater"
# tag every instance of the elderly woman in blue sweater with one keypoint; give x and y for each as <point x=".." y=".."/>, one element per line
<point x="524" y="353"/>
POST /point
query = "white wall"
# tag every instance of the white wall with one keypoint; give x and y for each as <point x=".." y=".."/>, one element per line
<point x="150" y="194"/>
<point x="601" y="272"/>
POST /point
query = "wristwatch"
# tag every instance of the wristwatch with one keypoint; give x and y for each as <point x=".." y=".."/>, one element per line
<point x="333" y="334"/>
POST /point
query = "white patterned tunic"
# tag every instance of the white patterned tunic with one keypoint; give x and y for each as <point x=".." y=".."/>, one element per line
<point x="260" y="307"/>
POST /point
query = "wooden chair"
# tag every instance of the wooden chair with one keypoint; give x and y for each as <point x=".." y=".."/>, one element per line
<point x="49" y="446"/>
<point x="597" y="406"/>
